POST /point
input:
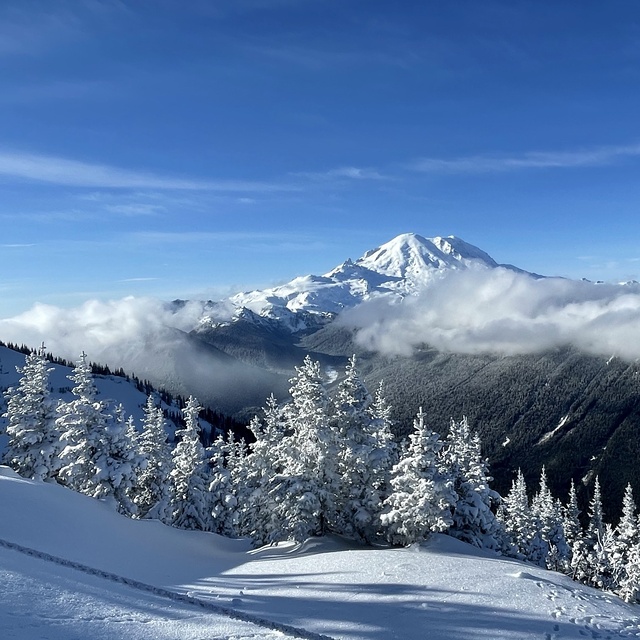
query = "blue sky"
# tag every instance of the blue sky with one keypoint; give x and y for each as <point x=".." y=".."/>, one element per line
<point x="192" y="149"/>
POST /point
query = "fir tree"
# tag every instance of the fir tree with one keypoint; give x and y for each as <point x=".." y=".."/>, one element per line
<point x="264" y="477"/>
<point x="364" y="457"/>
<point x="117" y="463"/>
<point x="226" y="459"/>
<point x="189" y="506"/>
<point x="422" y="495"/>
<point x="81" y="423"/>
<point x="472" y="515"/>
<point x="548" y="514"/>
<point x="304" y="497"/>
<point x="34" y="439"/>
<point x="152" y="493"/>
<point x="521" y="526"/>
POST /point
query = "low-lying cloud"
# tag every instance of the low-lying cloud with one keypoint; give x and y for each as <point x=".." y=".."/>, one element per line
<point x="501" y="311"/>
<point x="147" y="337"/>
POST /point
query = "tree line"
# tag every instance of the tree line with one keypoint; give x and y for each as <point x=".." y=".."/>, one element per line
<point x="320" y="463"/>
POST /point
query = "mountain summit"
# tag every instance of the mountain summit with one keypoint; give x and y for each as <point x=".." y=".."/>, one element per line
<point x="398" y="268"/>
<point x="411" y="256"/>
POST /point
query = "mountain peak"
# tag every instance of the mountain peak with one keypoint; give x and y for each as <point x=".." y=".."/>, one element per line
<point x="411" y="255"/>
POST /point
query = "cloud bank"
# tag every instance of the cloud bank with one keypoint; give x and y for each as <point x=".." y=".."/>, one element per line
<point x="147" y="337"/>
<point x="500" y="311"/>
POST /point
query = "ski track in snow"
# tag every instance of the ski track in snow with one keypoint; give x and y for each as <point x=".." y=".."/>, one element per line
<point x="284" y="629"/>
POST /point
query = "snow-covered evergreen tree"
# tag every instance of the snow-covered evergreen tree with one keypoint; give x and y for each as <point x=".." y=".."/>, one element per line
<point x="226" y="458"/>
<point x="189" y="507"/>
<point x="304" y="497"/>
<point x="82" y="423"/>
<point x="521" y="526"/>
<point x="422" y="494"/>
<point x="117" y="463"/>
<point x="264" y="477"/>
<point x="364" y="457"/>
<point x="473" y="518"/>
<point x="600" y="560"/>
<point x="152" y="493"/>
<point x="571" y="518"/>
<point x="596" y="519"/>
<point x="33" y="437"/>
<point x="548" y="514"/>
<point x="626" y="537"/>
<point x="629" y="588"/>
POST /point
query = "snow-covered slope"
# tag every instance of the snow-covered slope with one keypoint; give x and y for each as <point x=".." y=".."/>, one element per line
<point x="396" y="269"/>
<point x="327" y="588"/>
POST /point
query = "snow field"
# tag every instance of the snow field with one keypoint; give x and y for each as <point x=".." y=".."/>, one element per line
<point x="441" y="590"/>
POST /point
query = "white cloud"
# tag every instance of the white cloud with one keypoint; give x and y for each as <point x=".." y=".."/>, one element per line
<point x="499" y="311"/>
<point x="65" y="172"/>
<point x="145" y="336"/>
<point x="350" y="173"/>
<point x="531" y="160"/>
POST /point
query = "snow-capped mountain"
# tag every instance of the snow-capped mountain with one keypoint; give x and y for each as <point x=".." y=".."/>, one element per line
<point x="401" y="267"/>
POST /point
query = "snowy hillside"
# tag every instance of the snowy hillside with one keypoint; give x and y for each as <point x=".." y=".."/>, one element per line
<point x="140" y="579"/>
<point x="112" y="389"/>
<point x="396" y="269"/>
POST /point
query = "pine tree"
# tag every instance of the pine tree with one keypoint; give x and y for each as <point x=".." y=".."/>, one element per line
<point x="34" y="439"/>
<point x="81" y="423"/>
<point x="473" y="518"/>
<point x="189" y="505"/>
<point x="422" y="495"/>
<point x="152" y="493"/>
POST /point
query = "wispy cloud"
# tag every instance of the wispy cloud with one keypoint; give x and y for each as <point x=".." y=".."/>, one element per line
<point x="249" y="237"/>
<point x="347" y="173"/>
<point x="532" y="160"/>
<point x="65" y="172"/>
<point x="18" y="245"/>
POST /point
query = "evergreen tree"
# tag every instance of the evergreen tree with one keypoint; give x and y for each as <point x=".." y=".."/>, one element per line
<point x="364" y="457"/>
<point x="549" y="517"/>
<point x="304" y="497"/>
<point x="117" y="463"/>
<point x="226" y="460"/>
<point x="629" y="589"/>
<point x="189" y="506"/>
<point x="521" y="526"/>
<point x="82" y="423"/>
<point x="264" y="477"/>
<point x="473" y="518"/>
<point x="152" y="494"/>
<point x="571" y="518"/>
<point x="34" y="439"/>
<point x="596" y="520"/>
<point x="422" y="494"/>
<point x="626" y="537"/>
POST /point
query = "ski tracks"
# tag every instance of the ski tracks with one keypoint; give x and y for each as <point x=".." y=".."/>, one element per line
<point x="288" y="630"/>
